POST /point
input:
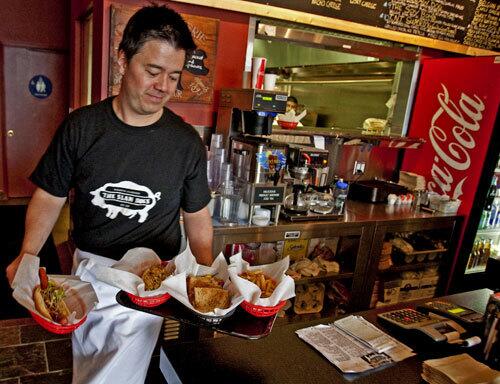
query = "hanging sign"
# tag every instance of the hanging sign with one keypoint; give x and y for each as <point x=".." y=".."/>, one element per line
<point x="40" y="86"/>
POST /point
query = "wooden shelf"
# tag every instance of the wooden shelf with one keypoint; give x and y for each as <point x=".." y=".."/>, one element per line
<point x="324" y="277"/>
<point x="410" y="266"/>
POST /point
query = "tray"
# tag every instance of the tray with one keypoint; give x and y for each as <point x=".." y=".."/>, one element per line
<point x="240" y="324"/>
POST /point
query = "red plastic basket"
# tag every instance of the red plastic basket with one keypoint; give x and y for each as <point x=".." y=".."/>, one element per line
<point x="56" y="328"/>
<point x="149" y="302"/>
<point x="261" y="311"/>
<point x="288" y="124"/>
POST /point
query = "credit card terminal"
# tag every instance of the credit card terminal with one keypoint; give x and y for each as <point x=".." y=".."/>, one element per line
<point x="452" y="311"/>
<point x="436" y="327"/>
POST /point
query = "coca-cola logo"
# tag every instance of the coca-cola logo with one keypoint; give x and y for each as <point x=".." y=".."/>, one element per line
<point x="451" y="134"/>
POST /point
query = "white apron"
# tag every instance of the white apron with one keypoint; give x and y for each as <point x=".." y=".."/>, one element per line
<point x="115" y="343"/>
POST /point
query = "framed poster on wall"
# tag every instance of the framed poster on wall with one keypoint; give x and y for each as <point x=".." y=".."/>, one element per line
<point x="196" y="84"/>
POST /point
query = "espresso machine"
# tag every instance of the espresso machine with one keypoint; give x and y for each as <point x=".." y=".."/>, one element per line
<point x="245" y="118"/>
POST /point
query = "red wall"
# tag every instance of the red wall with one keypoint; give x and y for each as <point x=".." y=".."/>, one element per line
<point x="231" y="49"/>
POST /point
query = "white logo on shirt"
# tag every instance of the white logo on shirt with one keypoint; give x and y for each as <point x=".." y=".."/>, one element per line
<point x="126" y="197"/>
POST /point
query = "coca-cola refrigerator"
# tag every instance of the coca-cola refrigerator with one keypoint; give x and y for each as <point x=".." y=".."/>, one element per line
<point x="456" y="112"/>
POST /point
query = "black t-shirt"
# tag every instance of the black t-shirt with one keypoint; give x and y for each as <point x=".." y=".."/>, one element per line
<point x="129" y="182"/>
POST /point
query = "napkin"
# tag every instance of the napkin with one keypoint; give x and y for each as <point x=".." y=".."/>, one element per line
<point x="291" y="116"/>
<point x="126" y="273"/>
<point x="459" y="369"/>
<point x="251" y="292"/>
<point x="186" y="265"/>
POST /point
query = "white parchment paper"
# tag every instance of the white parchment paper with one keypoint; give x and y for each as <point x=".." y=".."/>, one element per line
<point x="186" y="264"/>
<point x="251" y="292"/>
<point x="80" y="296"/>
<point x="126" y="273"/>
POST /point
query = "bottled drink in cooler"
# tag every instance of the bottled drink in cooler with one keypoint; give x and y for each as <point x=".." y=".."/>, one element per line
<point x="493" y="213"/>
<point x="492" y="192"/>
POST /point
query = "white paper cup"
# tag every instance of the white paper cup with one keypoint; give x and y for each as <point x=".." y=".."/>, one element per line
<point x="258" y="69"/>
<point x="270" y="81"/>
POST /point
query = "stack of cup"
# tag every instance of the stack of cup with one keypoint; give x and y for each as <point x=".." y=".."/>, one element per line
<point x="216" y="158"/>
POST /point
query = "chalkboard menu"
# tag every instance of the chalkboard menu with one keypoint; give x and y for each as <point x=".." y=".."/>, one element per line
<point x="197" y="78"/>
<point x="471" y="22"/>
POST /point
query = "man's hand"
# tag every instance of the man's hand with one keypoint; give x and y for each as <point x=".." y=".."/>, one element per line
<point x="43" y="211"/>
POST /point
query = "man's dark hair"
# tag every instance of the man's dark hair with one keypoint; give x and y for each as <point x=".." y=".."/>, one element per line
<point x="156" y="22"/>
<point x="293" y="99"/>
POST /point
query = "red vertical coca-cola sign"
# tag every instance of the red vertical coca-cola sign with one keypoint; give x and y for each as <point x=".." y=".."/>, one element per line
<point x="455" y="109"/>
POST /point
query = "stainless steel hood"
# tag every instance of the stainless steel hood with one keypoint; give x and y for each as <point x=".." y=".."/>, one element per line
<point x="340" y="79"/>
<point x="340" y="42"/>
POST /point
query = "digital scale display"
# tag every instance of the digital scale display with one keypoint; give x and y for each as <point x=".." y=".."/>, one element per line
<point x="269" y="101"/>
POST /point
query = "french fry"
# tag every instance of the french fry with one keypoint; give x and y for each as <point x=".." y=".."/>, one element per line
<point x="265" y="284"/>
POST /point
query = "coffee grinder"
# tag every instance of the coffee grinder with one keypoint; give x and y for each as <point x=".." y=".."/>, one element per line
<point x="245" y="118"/>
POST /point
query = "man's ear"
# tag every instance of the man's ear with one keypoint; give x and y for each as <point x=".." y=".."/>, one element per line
<point x="122" y="62"/>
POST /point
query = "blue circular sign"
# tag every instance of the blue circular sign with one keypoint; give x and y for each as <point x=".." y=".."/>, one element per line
<point x="40" y="86"/>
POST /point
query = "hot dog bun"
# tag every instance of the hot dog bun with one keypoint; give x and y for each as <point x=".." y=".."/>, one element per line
<point x="58" y="311"/>
<point x="40" y="303"/>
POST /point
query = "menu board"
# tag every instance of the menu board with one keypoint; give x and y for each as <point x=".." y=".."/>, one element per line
<point x="197" y="78"/>
<point x="471" y="22"/>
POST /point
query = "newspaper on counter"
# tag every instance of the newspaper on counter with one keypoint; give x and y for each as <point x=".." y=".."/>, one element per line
<point x="354" y="345"/>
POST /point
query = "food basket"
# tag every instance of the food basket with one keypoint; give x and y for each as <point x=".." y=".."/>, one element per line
<point x="54" y="327"/>
<point x="149" y="302"/>
<point x="288" y="124"/>
<point x="211" y="319"/>
<point x="79" y="296"/>
<point x="261" y="311"/>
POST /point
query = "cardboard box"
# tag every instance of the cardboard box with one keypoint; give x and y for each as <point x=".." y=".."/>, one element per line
<point x="296" y="249"/>
<point x="408" y="289"/>
<point x="428" y="287"/>
<point x="391" y="291"/>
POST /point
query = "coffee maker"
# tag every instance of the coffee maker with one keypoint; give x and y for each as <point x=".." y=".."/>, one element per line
<point x="245" y="118"/>
<point x="248" y="112"/>
<point x="316" y="159"/>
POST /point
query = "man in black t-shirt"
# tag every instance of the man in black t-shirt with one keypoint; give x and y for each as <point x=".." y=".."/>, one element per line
<point x="133" y="165"/>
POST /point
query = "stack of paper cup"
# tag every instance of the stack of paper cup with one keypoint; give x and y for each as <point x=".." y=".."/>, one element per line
<point x="270" y="81"/>
<point x="258" y="71"/>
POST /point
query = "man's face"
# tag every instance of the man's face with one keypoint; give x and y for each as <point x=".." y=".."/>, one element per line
<point x="150" y="78"/>
<point x="290" y="105"/>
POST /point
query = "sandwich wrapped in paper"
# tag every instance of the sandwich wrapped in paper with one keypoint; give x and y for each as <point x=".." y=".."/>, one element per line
<point x="79" y="297"/>
<point x="254" y="282"/>
<point x="139" y="272"/>
<point x="205" y="290"/>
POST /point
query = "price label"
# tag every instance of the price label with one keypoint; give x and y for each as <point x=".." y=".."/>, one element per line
<point x="272" y="195"/>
